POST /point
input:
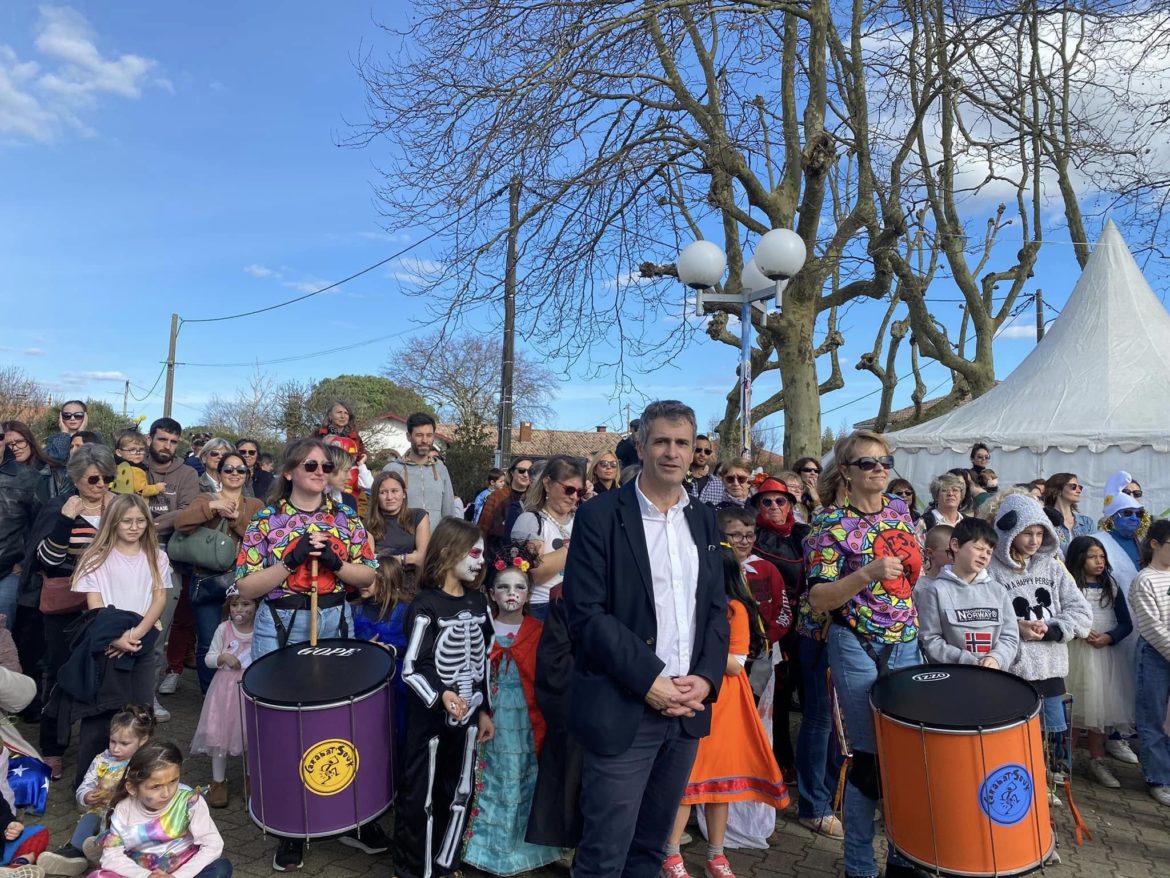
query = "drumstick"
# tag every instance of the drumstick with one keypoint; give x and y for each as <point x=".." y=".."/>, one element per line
<point x="313" y="605"/>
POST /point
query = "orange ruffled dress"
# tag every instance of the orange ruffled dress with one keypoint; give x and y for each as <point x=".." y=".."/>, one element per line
<point x="735" y="762"/>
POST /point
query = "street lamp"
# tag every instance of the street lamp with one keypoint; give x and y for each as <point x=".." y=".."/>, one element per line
<point x="779" y="255"/>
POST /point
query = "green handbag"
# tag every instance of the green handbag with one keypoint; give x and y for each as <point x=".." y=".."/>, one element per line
<point x="211" y="548"/>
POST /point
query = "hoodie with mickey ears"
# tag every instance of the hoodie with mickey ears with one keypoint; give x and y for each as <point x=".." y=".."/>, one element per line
<point x="1040" y="589"/>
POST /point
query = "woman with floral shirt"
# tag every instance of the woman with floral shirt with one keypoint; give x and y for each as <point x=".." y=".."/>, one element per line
<point x="863" y="561"/>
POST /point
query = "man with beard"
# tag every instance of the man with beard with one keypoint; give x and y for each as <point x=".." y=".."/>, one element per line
<point x="163" y="466"/>
<point x="428" y="484"/>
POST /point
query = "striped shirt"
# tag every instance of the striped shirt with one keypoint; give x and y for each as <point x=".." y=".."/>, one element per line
<point x="1149" y="604"/>
<point x="59" y="552"/>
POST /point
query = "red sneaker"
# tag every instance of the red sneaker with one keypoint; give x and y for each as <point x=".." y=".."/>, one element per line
<point x="674" y="867"/>
<point x="718" y="868"/>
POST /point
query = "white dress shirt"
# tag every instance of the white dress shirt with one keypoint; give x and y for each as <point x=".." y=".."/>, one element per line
<point x="674" y="569"/>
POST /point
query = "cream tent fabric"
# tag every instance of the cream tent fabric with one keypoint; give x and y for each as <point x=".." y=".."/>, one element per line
<point x="1093" y="396"/>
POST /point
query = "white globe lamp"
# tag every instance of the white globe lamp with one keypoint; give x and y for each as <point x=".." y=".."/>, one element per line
<point x="780" y="254"/>
<point x="701" y="265"/>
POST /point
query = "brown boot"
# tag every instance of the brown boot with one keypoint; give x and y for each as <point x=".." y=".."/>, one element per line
<point x="217" y="795"/>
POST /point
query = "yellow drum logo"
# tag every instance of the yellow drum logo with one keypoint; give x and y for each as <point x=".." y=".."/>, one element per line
<point x="328" y="767"/>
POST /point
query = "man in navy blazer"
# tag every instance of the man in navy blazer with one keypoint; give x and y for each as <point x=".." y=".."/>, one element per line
<point x="648" y="618"/>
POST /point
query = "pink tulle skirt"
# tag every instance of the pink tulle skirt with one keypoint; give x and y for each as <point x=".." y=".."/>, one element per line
<point x="221" y="727"/>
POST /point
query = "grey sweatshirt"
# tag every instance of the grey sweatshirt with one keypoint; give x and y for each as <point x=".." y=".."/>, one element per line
<point x="428" y="486"/>
<point x="962" y="622"/>
<point x="1040" y="589"/>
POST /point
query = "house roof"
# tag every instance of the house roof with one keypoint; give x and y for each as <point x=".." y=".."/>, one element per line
<point x="443" y="432"/>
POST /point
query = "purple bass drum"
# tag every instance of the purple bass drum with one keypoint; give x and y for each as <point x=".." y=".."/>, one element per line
<point x="318" y="725"/>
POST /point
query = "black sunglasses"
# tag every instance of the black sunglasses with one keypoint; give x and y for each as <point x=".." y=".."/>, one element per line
<point x="238" y="470"/>
<point x="311" y="466"/>
<point x="704" y="451"/>
<point x="246" y="452"/>
<point x="96" y="480"/>
<point x="774" y="501"/>
<point x="1131" y="513"/>
<point x="522" y="470"/>
<point x="1137" y="493"/>
<point x="809" y="469"/>
<point x="903" y="493"/>
<point x="571" y="490"/>
<point x="868" y="464"/>
<point x="72" y="416"/>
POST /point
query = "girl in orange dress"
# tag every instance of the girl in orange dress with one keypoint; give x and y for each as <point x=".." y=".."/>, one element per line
<point x="735" y="762"/>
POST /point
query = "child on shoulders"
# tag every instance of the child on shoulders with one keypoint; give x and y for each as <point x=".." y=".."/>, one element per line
<point x="965" y="617"/>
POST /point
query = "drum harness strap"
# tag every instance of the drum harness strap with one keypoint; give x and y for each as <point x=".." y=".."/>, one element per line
<point x="298" y="602"/>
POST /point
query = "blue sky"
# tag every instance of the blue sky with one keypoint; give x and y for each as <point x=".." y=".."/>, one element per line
<point x="183" y="157"/>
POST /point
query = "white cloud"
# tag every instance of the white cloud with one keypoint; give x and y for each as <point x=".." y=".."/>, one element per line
<point x="419" y="272"/>
<point x="1021" y="327"/>
<point x="307" y="286"/>
<point x="28" y="352"/>
<point x="258" y="270"/>
<point x="386" y="237"/>
<point x="93" y="376"/>
<point x="41" y="98"/>
<point x="629" y="279"/>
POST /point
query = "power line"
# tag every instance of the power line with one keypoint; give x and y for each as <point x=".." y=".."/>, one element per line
<point x="353" y="276"/>
<point x="157" y="379"/>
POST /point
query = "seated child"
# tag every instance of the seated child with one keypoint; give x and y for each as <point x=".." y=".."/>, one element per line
<point x="965" y="617"/>
<point x="132" y="477"/>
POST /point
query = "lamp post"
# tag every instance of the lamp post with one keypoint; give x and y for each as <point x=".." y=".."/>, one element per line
<point x="779" y="255"/>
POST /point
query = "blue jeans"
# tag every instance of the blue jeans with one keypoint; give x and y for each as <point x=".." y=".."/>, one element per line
<point x="629" y="801"/>
<point x="221" y="868"/>
<point x="208" y="615"/>
<point x="9" y="588"/>
<point x="816" y="762"/>
<point x="87" y="827"/>
<point x="854" y="674"/>
<point x="1152" y="679"/>
<point x="264" y="637"/>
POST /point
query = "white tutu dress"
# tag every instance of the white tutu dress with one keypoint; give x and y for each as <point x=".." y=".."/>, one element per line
<point x="1100" y="680"/>
<point x="221" y="727"/>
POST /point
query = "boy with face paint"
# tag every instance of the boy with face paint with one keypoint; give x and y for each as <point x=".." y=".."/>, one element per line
<point x="506" y="778"/>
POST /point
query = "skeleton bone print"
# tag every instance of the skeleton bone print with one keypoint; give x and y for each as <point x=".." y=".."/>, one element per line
<point x="461" y="659"/>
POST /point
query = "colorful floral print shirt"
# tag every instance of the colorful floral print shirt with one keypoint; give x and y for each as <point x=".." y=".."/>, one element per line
<point x="842" y="540"/>
<point x="276" y="529"/>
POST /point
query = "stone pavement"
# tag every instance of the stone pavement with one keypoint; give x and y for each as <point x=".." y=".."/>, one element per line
<point x="1131" y="831"/>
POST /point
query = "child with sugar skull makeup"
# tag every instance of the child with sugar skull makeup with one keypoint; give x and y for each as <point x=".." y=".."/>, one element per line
<point x="506" y="768"/>
<point x="445" y="667"/>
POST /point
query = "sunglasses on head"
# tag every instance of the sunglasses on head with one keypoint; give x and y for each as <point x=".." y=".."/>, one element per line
<point x="72" y="416"/>
<point x="737" y="480"/>
<point x="769" y="502"/>
<point x="97" y="480"/>
<point x="869" y="464"/>
<point x="571" y="490"/>
<point x="1137" y="493"/>
<point x="237" y="470"/>
<point x="809" y="469"/>
<point x="311" y="465"/>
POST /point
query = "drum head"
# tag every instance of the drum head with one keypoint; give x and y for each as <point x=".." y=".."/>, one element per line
<point x="333" y="670"/>
<point x="955" y="697"/>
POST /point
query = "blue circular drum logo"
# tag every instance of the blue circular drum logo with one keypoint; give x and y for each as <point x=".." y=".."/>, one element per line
<point x="1006" y="794"/>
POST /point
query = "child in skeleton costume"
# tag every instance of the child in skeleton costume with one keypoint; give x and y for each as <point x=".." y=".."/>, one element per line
<point x="1050" y="611"/>
<point x="506" y="769"/>
<point x="449" y="631"/>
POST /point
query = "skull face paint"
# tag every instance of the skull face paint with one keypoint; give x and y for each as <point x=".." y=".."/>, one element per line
<point x="469" y="566"/>
<point x="510" y="590"/>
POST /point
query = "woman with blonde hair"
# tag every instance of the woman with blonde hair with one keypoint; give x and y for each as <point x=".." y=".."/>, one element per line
<point x="948" y="491"/>
<point x="604" y="472"/>
<point x="863" y="562"/>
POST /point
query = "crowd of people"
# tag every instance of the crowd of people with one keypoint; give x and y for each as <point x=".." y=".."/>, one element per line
<point x="642" y="626"/>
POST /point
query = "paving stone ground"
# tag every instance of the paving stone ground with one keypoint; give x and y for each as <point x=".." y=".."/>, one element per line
<point x="1131" y="831"/>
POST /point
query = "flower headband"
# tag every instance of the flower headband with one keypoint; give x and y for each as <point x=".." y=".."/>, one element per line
<point x="517" y="556"/>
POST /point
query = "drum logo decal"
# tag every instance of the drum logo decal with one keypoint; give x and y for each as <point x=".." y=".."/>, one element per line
<point x="931" y="677"/>
<point x="1006" y="794"/>
<point x="329" y="766"/>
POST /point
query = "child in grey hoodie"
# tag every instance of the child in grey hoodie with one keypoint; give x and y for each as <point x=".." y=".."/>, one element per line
<point x="965" y="617"/>
<point x="1050" y="610"/>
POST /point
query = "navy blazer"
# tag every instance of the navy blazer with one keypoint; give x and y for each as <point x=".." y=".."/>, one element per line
<point x="609" y="595"/>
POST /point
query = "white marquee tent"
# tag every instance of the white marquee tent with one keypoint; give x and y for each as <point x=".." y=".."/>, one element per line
<point x="1093" y="397"/>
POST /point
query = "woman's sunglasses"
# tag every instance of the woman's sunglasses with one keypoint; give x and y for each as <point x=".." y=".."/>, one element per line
<point x="571" y="490"/>
<point x="903" y="493"/>
<point x="809" y="470"/>
<point x="311" y="465"/>
<point x="73" y="416"/>
<point x="239" y="470"/>
<point x="868" y="464"/>
<point x="736" y="480"/>
<point x="1135" y="494"/>
<point x="97" y="480"/>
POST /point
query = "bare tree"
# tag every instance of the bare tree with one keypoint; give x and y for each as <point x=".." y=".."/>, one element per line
<point x="254" y="410"/>
<point x="21" y="396"/>
<point x="460" y="376"/>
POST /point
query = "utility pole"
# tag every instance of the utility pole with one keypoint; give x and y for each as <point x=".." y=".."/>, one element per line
<point x="169" y="396"/>
<point x="1039" y="314"/>
<point x="509" y="324"/>
<point x="126" y="400"/>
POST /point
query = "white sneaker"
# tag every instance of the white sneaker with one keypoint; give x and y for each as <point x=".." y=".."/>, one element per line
<point x="1053" y="800"/>
<point x="1161" y="795"/>
<point x="169" y="684"/>
<point x="1101" y="773"/>
<point x="161" y="713"/>
<point x="1120" y="751"/>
